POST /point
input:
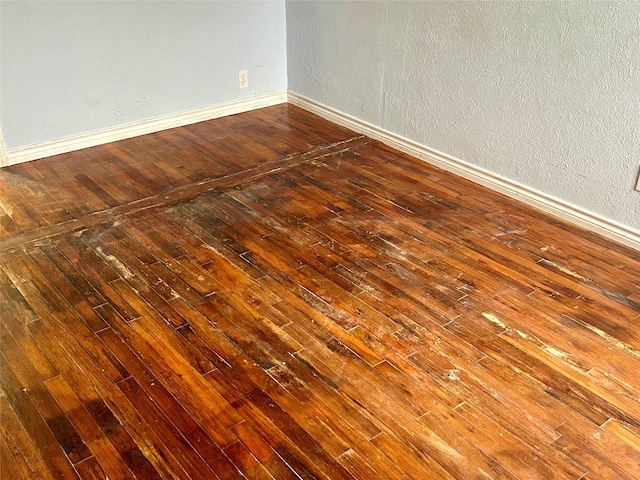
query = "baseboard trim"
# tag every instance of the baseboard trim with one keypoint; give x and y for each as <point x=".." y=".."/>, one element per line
<point x="608" y="228"/>
<point x="121" y="132"/>
<point x="3" y="152"/>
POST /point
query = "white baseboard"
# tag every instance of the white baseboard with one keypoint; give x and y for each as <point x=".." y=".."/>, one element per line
<point x="121" y="132"/>
<point x="3" y="152"/>
<point x="608" y="228"/>
<point x="621" y="233"/>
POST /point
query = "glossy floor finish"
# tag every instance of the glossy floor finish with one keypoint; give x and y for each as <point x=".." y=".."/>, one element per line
<point x="269" y="295"/>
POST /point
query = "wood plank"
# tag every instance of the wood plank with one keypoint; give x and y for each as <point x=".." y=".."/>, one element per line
<point x="108" y="458"/>
<point x="46" y="444"/>
<point x="21" y="457"/>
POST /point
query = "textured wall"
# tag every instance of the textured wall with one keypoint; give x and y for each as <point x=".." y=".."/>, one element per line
<point x="546" y="94"/>
<point x="74" y="67"/>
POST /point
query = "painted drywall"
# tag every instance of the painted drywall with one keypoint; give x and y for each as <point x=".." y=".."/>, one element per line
<point x="71" y="67"/>
<point x="544" y="93"/>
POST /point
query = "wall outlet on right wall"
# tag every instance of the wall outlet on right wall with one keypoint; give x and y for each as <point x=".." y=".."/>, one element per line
<point x="638" y="184"/>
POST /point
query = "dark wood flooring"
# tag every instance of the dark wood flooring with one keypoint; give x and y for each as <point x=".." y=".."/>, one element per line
<point x="269" y="295"/>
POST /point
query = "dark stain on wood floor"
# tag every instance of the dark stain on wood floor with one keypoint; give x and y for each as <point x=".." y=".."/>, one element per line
<point x="269" y="295"/>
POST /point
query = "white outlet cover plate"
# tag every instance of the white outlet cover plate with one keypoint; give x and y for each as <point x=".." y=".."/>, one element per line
<point x="243" y="79"/>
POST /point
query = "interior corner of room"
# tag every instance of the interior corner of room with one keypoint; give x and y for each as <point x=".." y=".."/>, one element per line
<point x="537" y="100"/>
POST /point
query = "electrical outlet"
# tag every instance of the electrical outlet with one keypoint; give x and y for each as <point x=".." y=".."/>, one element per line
<point x="243" y="79"/>
<point x="638" y="184"/>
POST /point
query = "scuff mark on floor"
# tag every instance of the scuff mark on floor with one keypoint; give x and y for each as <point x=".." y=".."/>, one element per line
<point x="452" y="374"/>
<point x="608" y="338"/>
<point x="495" y="320"/>
<point x="554" y="352"/>
<point x="564" y="269"/>
<point x="117" y="265"/>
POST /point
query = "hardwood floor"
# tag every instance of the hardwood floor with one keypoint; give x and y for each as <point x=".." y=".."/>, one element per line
<point x="269" y="295"/>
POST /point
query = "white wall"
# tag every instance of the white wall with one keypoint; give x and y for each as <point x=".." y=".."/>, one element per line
<point x="546" y="94"/>
<point x="74" y="67"/>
